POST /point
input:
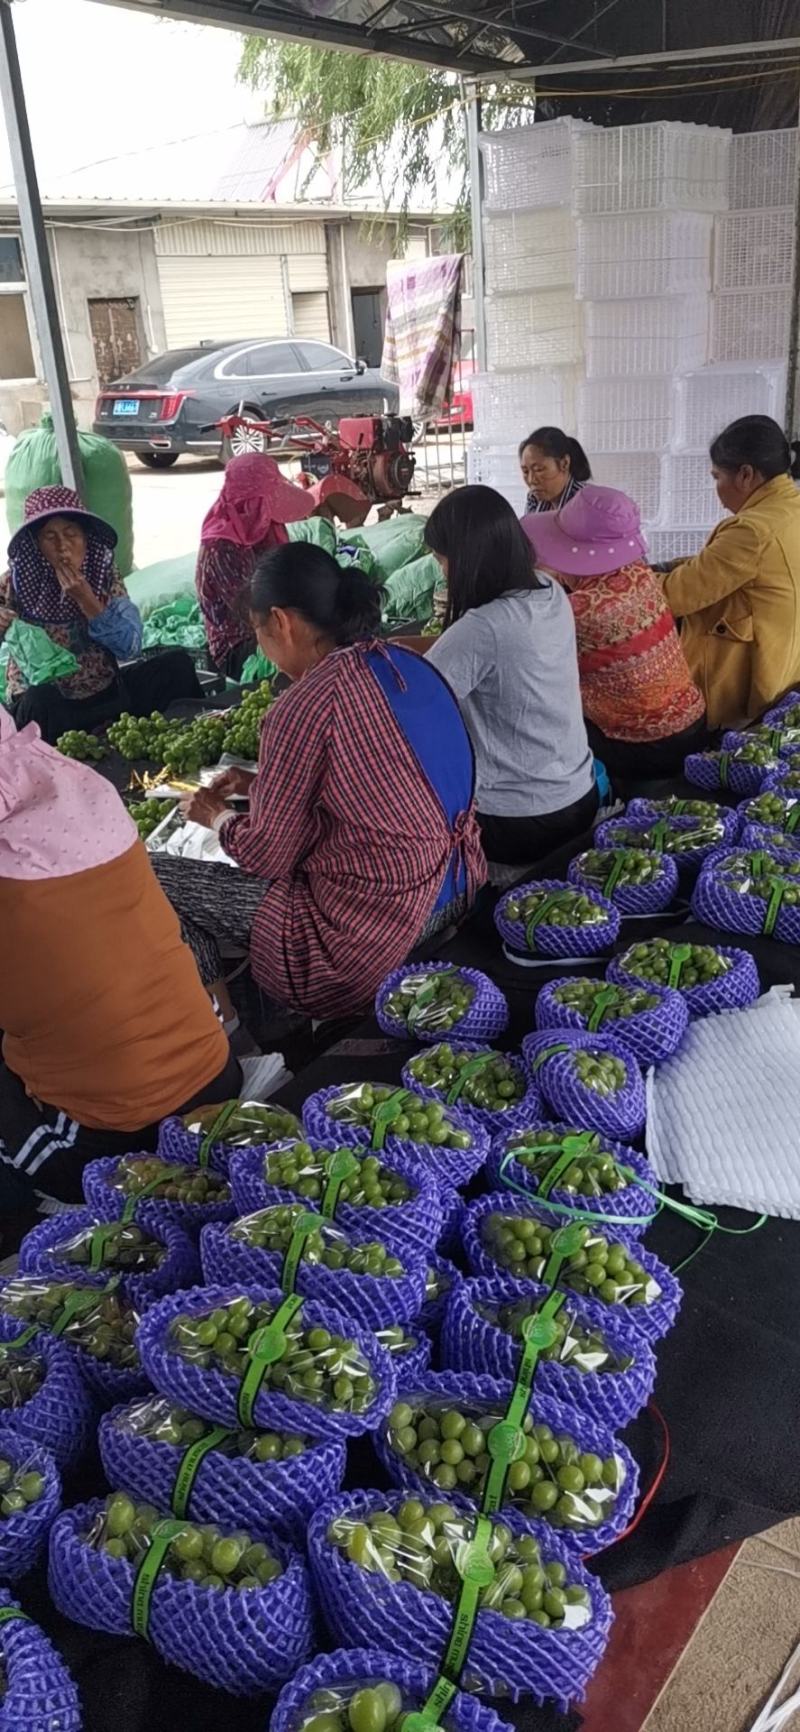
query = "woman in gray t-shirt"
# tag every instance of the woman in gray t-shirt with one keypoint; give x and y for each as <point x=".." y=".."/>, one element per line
<point x="508" y="652"/>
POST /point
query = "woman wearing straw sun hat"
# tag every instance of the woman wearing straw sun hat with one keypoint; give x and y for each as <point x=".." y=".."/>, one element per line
<point x="643" y="710"/>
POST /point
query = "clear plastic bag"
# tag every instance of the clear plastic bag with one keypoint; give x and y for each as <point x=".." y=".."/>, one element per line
<point x="22" y="1374"/>
<point x="22" y="1483"/>
<point x="552" y="1479"/>
<point x="422" y="1545"/>
<point x="431" y="1003"/>
<point x="245" y="1125"/>
<point x="96" y="1320"/>
<point x="576" y="1345"/>
<point x="593" y="1170"/>
<point x="602" y="1266"/>
<point x="486" y="1080"/>
<point x="566" y="907"/>
<point x="411" y="1117"/>
<point x="774" y="810"/>
<point x="146" y="1175"/>
<point x="317" y="1365"/>
<point x="659" y="960"/>
<point x="273" y="1230"/>
<point x="161" y="1421"/>
<point x="116" y="1245"/>
<point x="294" y="1166"/>
<point x="204" y="1554"/>
<point x="673" y="806"/>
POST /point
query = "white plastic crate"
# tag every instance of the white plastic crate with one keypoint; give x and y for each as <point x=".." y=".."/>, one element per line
<point x="688" y="495"/>
<point x="637" y="473"/>
<point x="497" y="466"/>
<point x="661" y="165"/>
<point x="754" y="249"/>
<point x="657" y="334"/>
<point x="625" y="414"/>
<point x="706" y="401"/>
<point x="664" y="544"/>
<point x="528" y="249"/>
<point x="750" y="325"/>
<point x="652" y="253"/>
<point x="542" y="329"/>
<point x="763" y="169"/>
<point x="526" y="167"/>
<point x="511" y="405"/>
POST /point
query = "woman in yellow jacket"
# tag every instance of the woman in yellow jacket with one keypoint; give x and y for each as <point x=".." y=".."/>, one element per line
<point x="739" y="598"/>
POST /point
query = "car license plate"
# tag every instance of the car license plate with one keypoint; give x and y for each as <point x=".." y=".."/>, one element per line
<point x="126" y="406"/>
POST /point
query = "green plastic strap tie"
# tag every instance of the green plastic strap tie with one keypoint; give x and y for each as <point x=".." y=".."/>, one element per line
<point x="385" y="1115"/>
<point x="477" y="1571"/>
<point x="342" y="1165"/>
<point x="680" y="955"/>
<point x="147" y="1575"/>
<point x="204" y="1151"/>
<point x="306" y="1224"/>
<point x="777" y="891"/>
<point x="679" y="808"/>
<point x="548" y="1052"/>
<point x="478" y="1063"/>
<point x="427" y="995"/>
<point x="132" y="1204"/>
<point x="541" y="914"/>
<point x="189" y="1465"/>
<point x="99" y="1240"/>
<point x="9" y="1612"/>
<point x="266" y="1346"/>
<point x="82" y="1300"/>
<point x="616" y="871"/>
<point x="776" y="737"/>
<point x="657" y="836"/>
<point x="724" y="762"/>
<point x="506" y="1441"/>
<point x="22" y="1340"/>
<point x="793" y="818"/>
<point x="609" y="995"/>
<point x="758" y="863"/>
<point x="565" y="1241"/>
<point x="572" y="1149"/>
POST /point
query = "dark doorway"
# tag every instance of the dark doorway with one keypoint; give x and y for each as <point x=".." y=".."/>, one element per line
<point x="115" y="335"/>
<point x="368" y="321"/>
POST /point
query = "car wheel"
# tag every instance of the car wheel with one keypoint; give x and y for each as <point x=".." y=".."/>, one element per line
<point x="158" y="459"/>
<point x="245" y="438"/>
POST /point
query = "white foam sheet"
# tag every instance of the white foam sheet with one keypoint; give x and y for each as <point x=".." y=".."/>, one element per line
<point x="723" y="1115"/>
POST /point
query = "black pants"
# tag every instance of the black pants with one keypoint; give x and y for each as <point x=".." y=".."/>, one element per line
<point x="518" y="841"/>
<point x="42" y="1149"/>
<point x="153" y="683"/>
<point x="647" y="759"/>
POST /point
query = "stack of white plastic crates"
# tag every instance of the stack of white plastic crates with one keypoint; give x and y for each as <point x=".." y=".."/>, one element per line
<point x="645" y="198"/>
<point x="534" y="329"/>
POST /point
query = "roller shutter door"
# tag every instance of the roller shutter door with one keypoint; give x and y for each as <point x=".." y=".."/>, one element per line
<point x="221" y="299"/>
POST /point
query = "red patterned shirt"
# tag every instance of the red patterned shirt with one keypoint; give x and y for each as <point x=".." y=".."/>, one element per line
<point x="635" y="683"/>
<point x="352" y="836"/>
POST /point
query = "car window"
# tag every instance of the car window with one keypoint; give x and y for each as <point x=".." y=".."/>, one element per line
<point x="259" y="362"/>
<point x="320" y="358"/>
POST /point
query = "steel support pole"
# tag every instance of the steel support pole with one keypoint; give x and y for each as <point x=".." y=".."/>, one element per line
<point x="790" y="418"/>
<point x="473" y="119"/>
<point x="37" y="257"/>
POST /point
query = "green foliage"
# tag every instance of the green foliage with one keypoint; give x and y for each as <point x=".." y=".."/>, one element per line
<point x="395" y="123"/>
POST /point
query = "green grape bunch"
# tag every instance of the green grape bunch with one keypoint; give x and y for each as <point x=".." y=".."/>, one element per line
<point x="85" y="748"/>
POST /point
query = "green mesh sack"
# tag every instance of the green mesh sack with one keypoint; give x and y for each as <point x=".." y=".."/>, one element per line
<point x="394" y="543"/>
<point x="178" y="625"/>
<point x="409" y="593"/>
<point x="107" y="485"/>
<point x="36" y="655"/>
<point x="318" y="530"/>
<point x="163" y="584"/>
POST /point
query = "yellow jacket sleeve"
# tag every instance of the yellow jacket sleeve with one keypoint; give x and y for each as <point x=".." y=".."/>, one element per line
<point x="729" y="560"/>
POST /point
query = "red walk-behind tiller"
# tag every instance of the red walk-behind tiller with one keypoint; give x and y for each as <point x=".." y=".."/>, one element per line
<point x="363" y="462"/>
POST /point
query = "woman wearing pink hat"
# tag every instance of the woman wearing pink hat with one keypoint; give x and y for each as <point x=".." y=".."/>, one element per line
<point x="248" y="519"/>
<point x="643" y="710"/>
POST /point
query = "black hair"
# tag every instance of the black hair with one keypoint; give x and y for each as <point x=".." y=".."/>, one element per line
<point x="559" y="445"/>
<point x="758" y="441"/>
<point x="487" y="551"/>
<point x="341" y="603"/>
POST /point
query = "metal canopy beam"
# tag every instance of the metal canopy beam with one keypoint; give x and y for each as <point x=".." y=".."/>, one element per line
<point x="37" y="257"/>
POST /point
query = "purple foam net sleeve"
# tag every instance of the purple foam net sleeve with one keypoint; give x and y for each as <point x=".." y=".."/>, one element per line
<point x="759" y="836"/>
<point x="368" y="1666"/>
<point x="651" y="1035"/>
<point x="446" y="1166"/>
<point x="413" y="1226"/>
<point x="413" y="1361"/>
<point x="734" y="990"/>
<point x="615" y="832"/>
<point x="372" y="1302"/>
<point x="515" y="1115"/>
<point x="471" y="1341"/>
<point x="39" y="1255"/>
<point x="709" y="770"/>
<point x="515" y="1660"/>
<point x="176" y="1143"/>
<point x="550" y="1056"/>
<point x="23" y="1536"/>
<point x="263" y="1498"/>
<point x="631" y="899"/>
<point x="556" y="941"/>
<point x="245" y="1642"/>
<point x="486" y="1017"/>
<point x="652" y="1320"/>
<point x="630" y="1210"/>
<point x="717" y="903"/>
<point x="452" y="1210"/>
<point x="60" y="1416"/>
<point x="214" y="1394"/>
<point x="40" y="1695"/>
<point x="446" y="1277"/>
<point x="107" y="1203"/>
<point x="775" y="718"/>
<point x="467" y="1391"/>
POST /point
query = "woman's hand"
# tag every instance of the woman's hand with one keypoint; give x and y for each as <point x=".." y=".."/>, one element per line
<point x="74" y="585"/>
<point x="231" y="783"/>
<point x="204" y="807"/>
